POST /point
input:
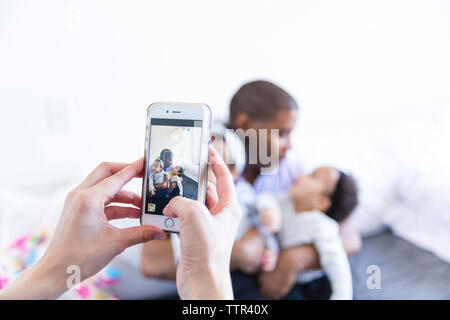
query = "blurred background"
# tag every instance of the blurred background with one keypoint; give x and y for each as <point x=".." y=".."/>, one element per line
<point x="372" y="79"/>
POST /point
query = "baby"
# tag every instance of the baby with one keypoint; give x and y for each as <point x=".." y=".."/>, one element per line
<point x="175" y="181"/>
<point x="156" y="176"/>
<point x="311" y="211"/>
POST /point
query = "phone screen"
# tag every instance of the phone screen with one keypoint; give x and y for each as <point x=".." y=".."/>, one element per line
<point x="173" y="162"/>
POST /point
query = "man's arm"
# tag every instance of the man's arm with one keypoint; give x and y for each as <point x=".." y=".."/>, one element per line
<point x="277" y="283"/>
<point x="247" y="253"/>
<point x="291" y="261"/>
<point x="160" y="186"/>
<point x="248" y="250"/>
<point x="157" y="260"/>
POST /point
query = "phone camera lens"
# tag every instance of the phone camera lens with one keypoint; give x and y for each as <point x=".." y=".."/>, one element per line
<point x="167" y="111"/>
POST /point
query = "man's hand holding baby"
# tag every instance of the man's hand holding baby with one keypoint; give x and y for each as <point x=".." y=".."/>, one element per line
<point x="271" y="219"/>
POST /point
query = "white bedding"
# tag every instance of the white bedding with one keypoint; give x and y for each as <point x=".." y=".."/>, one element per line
<point x="422" y="211"/>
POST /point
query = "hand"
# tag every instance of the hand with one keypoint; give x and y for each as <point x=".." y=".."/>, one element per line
<point x="83" y="237"/>
<point x="271" y="218"/>
<point x="152" y="192"/>
<point x="351" y="238"/>
<point x="206" y="237"/>
<point x="278" y="283"/>
<point x="269" y="260"/>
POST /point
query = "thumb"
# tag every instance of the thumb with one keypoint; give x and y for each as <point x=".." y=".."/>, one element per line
<point x="134" y="235"/>
<point x="211" y="196"/>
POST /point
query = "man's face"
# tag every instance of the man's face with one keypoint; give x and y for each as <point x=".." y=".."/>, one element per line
<point x="166" y="157"/>
<point x="285" y="123"/>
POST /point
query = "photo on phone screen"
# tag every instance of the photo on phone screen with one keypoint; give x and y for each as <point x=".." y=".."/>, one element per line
<point x="173" y="162"/>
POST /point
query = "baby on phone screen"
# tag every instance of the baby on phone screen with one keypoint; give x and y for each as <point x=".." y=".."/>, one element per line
<point x="175" y="179"/>
<point x="157" y="175"/>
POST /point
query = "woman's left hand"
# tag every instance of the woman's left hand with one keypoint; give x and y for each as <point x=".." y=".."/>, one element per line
<point x="84" y="241"/>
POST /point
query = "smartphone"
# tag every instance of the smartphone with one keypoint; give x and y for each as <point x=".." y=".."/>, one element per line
<point x="177" y="140"/>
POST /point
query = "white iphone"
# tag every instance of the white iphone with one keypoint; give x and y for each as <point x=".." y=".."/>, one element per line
<point x="176" y="158"/>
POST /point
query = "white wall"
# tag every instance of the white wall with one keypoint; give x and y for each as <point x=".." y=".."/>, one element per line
<point x="76" y="77"/>
<point x="185" y="145"/>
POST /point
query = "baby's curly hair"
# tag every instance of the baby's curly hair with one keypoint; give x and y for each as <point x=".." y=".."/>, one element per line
<point x="344" y="199"/>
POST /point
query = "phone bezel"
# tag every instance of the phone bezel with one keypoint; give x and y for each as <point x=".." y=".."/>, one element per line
<point x="177" y="110"/>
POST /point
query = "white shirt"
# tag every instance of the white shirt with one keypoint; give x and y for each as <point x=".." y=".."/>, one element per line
<point x="316" y="228"/>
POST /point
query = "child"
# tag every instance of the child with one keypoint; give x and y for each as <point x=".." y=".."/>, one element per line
<point x="156" y="176"/>
<point x="311" y="211"/>
<point x="175" y="185"/>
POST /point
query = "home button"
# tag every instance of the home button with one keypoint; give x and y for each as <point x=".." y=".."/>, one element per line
<point x="169" y="222"/>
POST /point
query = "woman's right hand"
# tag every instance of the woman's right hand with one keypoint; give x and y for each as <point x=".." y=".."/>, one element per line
<point x="206" y="236"/>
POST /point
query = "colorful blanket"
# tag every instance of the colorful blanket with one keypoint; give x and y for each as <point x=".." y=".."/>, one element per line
<point x="27" y="249"/>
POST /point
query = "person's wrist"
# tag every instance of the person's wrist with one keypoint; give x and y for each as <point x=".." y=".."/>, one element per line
<point x="52" y="277"/>
<point x="43" y="280"/>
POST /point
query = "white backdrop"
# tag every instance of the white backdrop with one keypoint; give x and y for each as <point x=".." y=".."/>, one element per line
<point x="372" y="79"/>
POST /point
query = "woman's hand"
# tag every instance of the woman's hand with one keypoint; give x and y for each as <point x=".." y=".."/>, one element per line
<point x="84" y="240"/>
<point x="206" y="236"/>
